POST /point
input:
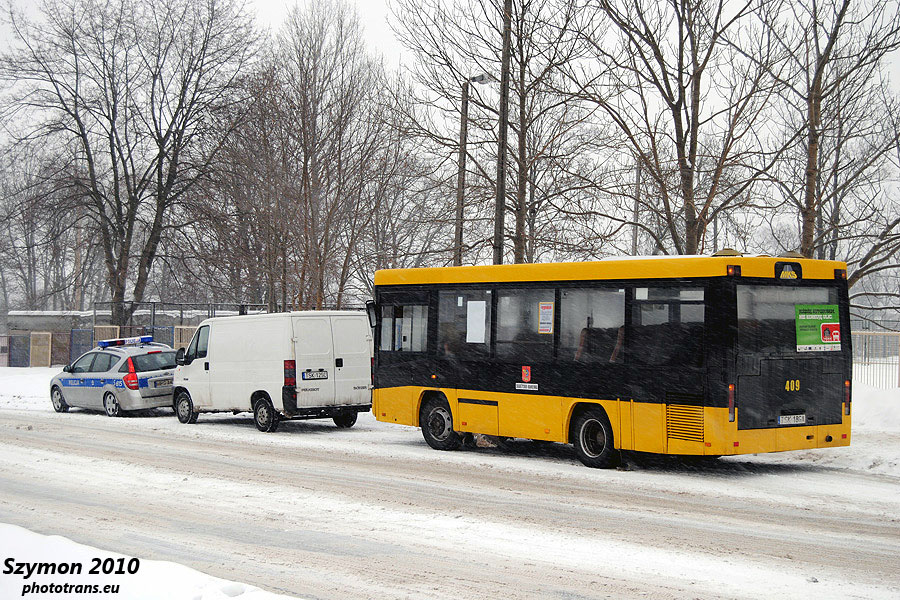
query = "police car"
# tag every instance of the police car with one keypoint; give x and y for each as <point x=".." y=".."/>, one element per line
<point x="116" y="376"/>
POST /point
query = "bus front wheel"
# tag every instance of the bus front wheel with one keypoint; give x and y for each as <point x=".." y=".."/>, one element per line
<point x="593" y="439"/>
<point x="437" y="425"/>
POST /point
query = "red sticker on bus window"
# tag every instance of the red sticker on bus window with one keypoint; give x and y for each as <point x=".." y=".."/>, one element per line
<point x="526" y="374"/>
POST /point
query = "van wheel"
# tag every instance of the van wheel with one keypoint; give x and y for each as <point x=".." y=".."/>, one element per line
<point x="437" y="425"/>
<point x="345" y="420"/>
<point x="59" y="402"/>
<point x="111" y="405"/>
<point x="264" y="415"/>
<point x="184" y="408"/>
<point x="593" y="439"/>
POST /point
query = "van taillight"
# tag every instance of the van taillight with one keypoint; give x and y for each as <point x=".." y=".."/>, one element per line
<point x="372" y="371"/>
<point x="847" y="397"/>
<point x="731" y="403"/>
<point x="131" y="379"/>
<point x="290" y="372"/>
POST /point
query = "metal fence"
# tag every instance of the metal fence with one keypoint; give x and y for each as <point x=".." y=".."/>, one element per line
<point x="80" y="341"/>
<point x="20" y="350"/>
<point x="876" y="358"/>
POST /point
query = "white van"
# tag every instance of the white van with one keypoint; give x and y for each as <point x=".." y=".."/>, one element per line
<point x="297" y="365"/>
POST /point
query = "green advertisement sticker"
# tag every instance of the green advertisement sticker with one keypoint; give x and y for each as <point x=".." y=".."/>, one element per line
<point x="818" y="327"/>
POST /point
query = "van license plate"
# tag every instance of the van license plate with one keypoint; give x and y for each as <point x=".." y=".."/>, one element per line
<point x="314" y="375"/>
<point x="792" y="420"/>
<point x="162" y="382"/>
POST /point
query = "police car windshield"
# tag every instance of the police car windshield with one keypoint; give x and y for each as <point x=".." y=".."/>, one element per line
<point x="156" y="361"/>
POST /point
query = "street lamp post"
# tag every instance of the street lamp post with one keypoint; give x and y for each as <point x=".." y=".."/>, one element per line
<point x="461" y="175"/>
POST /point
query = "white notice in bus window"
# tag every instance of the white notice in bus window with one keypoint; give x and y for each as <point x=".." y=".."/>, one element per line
<point x="475" y="313"/>
<point x="545" y="323"/>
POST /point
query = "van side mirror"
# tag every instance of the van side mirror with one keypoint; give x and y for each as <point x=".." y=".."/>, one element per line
<point x="373" y="314"/>
<point x="179" y="357"/>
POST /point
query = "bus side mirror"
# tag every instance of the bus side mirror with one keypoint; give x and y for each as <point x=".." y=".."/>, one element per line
<point x="370" y="310"/>
<point x="179" y="357"/>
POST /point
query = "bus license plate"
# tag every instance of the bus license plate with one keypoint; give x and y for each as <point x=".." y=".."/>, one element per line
<point x="792" y="420"/>
<point x="162" y="382"/>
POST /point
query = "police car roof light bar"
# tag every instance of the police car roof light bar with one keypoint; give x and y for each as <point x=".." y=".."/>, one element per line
<point x="132" y="341"/>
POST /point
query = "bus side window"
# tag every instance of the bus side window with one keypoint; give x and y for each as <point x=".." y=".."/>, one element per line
<point x="464" y="323"/>
<point x="404" y="328"/>
<point x="592" y="325"/>
<point x="667" y="326"/>
<point x="525" y="324"/>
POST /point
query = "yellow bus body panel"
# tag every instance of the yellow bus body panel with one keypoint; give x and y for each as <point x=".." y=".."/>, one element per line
<point x="630" y="268"/>
<point x="637" y="426"/>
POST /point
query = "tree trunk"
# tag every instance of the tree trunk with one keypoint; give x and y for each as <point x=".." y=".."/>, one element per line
<point x="810" y="205"/>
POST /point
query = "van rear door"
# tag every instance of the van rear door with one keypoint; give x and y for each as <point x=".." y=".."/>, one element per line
<point x="315" y="361"/>
<point x="353" y="359"/>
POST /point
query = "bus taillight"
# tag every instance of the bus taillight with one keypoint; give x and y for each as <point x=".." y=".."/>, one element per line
<point x="847" y="397"/>
<point x="731" y="403"/>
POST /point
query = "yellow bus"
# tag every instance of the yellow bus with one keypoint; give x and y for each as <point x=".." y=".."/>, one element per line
<point x="688" y="355"/>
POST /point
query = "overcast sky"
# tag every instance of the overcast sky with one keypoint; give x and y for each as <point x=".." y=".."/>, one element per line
<point x="372" y="14"/>
<point x="271" y="13"/>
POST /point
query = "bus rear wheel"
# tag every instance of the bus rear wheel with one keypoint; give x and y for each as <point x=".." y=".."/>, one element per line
<point x="437" y="425"/>
<point x="593" y="439"/>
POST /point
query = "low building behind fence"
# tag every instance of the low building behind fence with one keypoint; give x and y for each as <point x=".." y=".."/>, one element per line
<point x="45" y="338"/>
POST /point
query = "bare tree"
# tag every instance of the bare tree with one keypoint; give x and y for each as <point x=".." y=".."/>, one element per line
<point x="673" y="80"/>
<point x="133" y="84"/>
<point x="832" y="51"/>
<point x="456" y="40"/>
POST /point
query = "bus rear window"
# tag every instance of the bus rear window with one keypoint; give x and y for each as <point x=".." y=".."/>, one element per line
<point x="767" y="315"/>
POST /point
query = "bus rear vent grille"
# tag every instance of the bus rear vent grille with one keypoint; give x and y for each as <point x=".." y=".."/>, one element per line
<point x="684" y="422"/>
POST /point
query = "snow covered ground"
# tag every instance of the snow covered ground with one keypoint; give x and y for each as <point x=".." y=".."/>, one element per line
<point x="401" y="513"/>
<point x="152" y="580"/>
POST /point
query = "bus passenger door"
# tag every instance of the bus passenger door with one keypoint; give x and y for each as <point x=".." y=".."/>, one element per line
<point x="463" y="351"/>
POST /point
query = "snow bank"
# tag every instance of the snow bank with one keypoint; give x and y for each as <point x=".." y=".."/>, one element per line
<point x="152" y="581"/>
<point x="26" y="388"/>
<point x="874" y="409"/>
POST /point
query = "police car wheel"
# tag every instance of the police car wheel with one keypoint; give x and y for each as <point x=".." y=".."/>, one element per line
<point x="264" y="415"/>
<point x="59" y="403"/>
<point x="111" y="405"/>
<point x="184" y="408"/>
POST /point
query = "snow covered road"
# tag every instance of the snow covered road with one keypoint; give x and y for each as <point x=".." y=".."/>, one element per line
<point x="371" y="512"/>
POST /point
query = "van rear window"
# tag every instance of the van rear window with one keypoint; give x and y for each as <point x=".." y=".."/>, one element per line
<point x="154" y="362"/>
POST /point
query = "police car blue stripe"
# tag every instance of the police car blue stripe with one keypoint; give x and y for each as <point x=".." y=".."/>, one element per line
<point x="88" y="382"/>
<point x="143" y="382"/>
